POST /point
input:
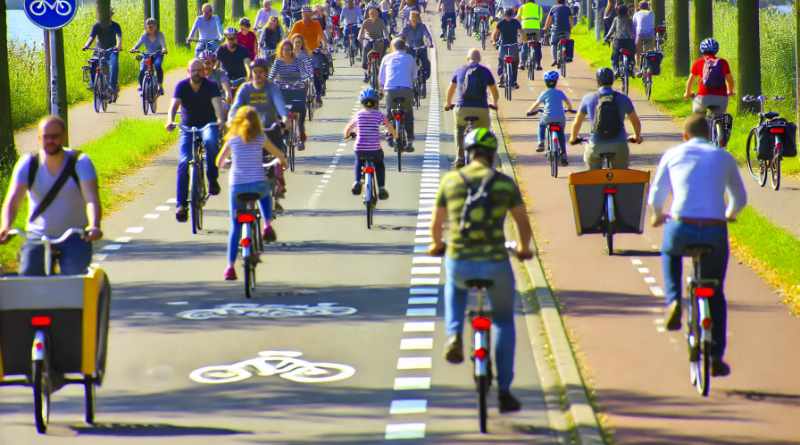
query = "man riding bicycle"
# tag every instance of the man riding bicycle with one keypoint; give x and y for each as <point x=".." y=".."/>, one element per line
<point x="508" y="31"/>
<point x="109" y="36"/>
<point x="715" y="81"/>
<point x="292" y="11"/>
<point x="61" y="186"/>
<point x="396" y="78"/>
<point x="607" y="110"/>
<point x="476" y="250"/>
<point x="530" y="15"/>
<point x="418" y="40"/>
<point x="560" y="20"/>
<point x="448" y="10"/>
<point x="350" y="18"/>
<point x="234" y="59"/>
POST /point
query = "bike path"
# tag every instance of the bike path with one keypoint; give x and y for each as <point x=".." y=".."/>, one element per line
<point x="325" y="255"/>
<point x="613" y="305"/>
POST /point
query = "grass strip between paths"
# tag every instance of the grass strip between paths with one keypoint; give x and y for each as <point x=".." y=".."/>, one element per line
<point x="114" y="156"/>
<point x="767" y="248"/>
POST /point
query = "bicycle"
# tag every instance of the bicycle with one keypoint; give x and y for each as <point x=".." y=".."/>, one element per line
<point x="508" y="66"/>
<point x="250" y="219"/>
<point x="150" y="86"/>
<point x="530" y="61"/>
<point x="624" y="68"/>
<point x="351" y="44"/>
<point x="373" y="61"/>
<point x="420" y="90"/>
<point x="647" y="62"/>
<point x="204" y="45"/>
<point x="769" y="157"/>
<point x="720" y="125"/>
<point x="450" y="33"/>
<point x="292" y="136"/>
<point x="398" y="120"/>
<point x="311" y="99"/>
<point x="552" y="143"/>
<point x="661" y="37"/>
<point x="198" y="189"/>
<point x="483" y="30"/>
<point x="101" y="88"/>
<point x="699" y="336"/>
<point x="468" y="128"/>
<point x="562" y="56"/>
<point x="370" y="183"/>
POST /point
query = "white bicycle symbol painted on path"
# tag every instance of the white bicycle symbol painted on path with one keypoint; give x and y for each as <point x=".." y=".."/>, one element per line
<point x="267" y="311"/>
<point x="40" y="7"/>
<point x="287" y="364"/>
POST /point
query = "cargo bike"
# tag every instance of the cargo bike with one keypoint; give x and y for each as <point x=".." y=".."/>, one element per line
<point x="54" y="332"/>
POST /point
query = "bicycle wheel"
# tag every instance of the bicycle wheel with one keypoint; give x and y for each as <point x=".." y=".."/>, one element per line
<point x="625" y="81"/>
<point x="483" y="40"/>
<point x="154" y="97"/>
<point x="775" y="177"/>
<point x="763" y="171"/>
<point x="98" y="94"/>
<point x="194" y="199"/>
<point x="369" y="194"/>
<point x="648" y="86"/>
<point x="554" y="158"/>
<point x="291" y="150"/>
<point x="563" y="66"/>
<point x="751" y="153"/>
<point x="145" y="95"/>
<point x="249" y="277"/>
<point x="609" y="233"/>
<point x="483" y="393"/>
<point x="699" y="353"/>
<point x="351" y="52"/>
<point x="89" y="399"/>
<point x="41" y="394"/>
<point x="400" y="144"/>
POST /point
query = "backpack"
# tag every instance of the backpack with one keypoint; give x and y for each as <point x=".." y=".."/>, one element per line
<point x="607" y="121"/>
<point x="50" y="196"/>
<point x="477" y="197"/>
<point x="473" y="88"/>
<point x="713" y="76"/>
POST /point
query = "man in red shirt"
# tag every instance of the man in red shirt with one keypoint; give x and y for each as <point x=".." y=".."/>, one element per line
<point x="716" y="81"/>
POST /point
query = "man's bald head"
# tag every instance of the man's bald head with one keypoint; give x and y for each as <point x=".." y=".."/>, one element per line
<point x="398" y="44"/>
<point x="474" y="55"/>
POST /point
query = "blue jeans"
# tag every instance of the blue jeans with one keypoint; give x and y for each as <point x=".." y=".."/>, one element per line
<point x="502" y="299"/>
<point x="445" y="17"/>
<point x="554" y="39"/>
<point x="265" y="203"/>
<point x="74" y="258"/>
<point x="297" y="99"/>
<point x="679" y="235"/>
<point x="562" y="136"/>
<point x="113" y="69"/>
<point x="211" y="143"/>
<point x="537" y="53"/>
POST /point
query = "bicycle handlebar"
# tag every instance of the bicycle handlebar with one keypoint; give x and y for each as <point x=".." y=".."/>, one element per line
<point x="195" y="129"/>
<point x="40" y="239"/>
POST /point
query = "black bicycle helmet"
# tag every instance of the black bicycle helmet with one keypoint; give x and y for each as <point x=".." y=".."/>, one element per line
<point x="259" y="63"/>
<point x="605" y="77"/>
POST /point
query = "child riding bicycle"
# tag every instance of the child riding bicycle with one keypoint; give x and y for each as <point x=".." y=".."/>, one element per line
<point x="552" y="100"/>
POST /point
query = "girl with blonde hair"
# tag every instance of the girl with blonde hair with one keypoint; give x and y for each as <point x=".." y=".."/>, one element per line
<point x="245" y="144"/>
<point x="290" y="74"/>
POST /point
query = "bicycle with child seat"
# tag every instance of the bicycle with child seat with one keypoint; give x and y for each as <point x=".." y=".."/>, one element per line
<point x="769" y="158"/>
<point x="480" y="317"/>
<point x="508" y="66"/>
<point x="150" y="87"/>
<point x="49" y="328"/>
<point x="450" y="33"/>
<point x="102" y="91"/>
<point x="398" y="121"/>
<point x="249" y="217"/>
<point x="553" y="149"/>
<point x="198" y="189"/>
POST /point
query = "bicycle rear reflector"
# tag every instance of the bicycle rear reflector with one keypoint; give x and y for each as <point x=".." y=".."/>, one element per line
<point x="41" y="321"/>
<point x="704" y="292"/>
<point x="369" y="169"/>
<point x="625" y="52"/>
<point x="508" y="59"/>
<point x="609" y="190"/>
<point x="374" y="55"/>
<point x="661" y="29"/>
<point x="480" y="353"/>
<point x="777" y="130"/>
<point x="481" y="324"/>
<point x="555" y="127"/>
<point x="245" y="218"/>
<point x="398" y="116"/>
<point x="706" y="323"/>
<point x="245" y="242"/>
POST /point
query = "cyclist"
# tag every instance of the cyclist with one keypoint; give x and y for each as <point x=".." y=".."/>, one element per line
<point x="245" y="143"/>
<point x="396" y="78"/>
<point x="271" y="35"/>
<point x="560" y="20"/>
<point x="418" y="40"/>
<point x="215" y="74"/>
<point x="200" y="104"/>
<point x="448" y="10"/>
<point x="208" y="26"/>
<point x="292" y="11"/>
<point x="513" y="5"/>
<point x="367" y="125"/>
<point x="267" y="99"/>
<point x="290" y="72"/>
<point x="508" y="31"/>
<point x="234" y="59"/>
<point x="607" y="110"/>
<point x="108" y="35"/>
<point x="553" y="101"/>
<point x="699" y="177"/>
<point x="153" y="41"/>
<point x="644" y="22"/>
<point x="480" y="9"/>
<point x="530" y="16"/>
<point x="470" y="82"/>
<point x="374" y="32"/>
<point x="478" y="251"/>
<point x="264" y="15"/>
<point x="246" y="38"/>
<point x="313" y="39"/>
<point x="622" y="35"/>
<point x="715" y="80"/>
<point x="350" y="19"/>
<point x="52" y="208"/>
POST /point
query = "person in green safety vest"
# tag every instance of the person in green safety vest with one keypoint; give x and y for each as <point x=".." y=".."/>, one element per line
<point x="530" y="16"/>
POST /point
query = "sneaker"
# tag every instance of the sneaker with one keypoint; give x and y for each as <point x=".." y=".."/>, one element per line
<point x="564" y="161"/>
<point x="539" y="67"/>
<point x="268" y="234"/>
<point x="454" y="351"/>
<point x="719" y="368"/>
<point x="383" y="193"/>
<point x="278" y="207"/>
<point x="522" y="66"/>
<point x="160" y="91"/>
<point x="230" y="274"/>
<point x="213" y="187"/>
<point x="554" y="64"/>
<point x="301" y="145"/>
<point x="409" y="148"/>
<point x="356" y="188"/>
<point x="366" y="79"/>
<point x="182" y="214"/>
<point x="516" y="86"/>
<point x="508" y="403"/>
<point x="501" y="84"/>
<point x="672" y="314"/>
<point x="540" y="147"/>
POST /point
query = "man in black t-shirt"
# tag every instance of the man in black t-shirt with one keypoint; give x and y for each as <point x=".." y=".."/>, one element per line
<point x="200" y="103"/>
<point x="234" y="59"/>
<point x="508" y="31"/>
<point x="108" y="35"/>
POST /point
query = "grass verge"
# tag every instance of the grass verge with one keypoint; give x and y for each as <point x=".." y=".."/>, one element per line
<point x="114" y="157"/>
<point x="766" y="247"/>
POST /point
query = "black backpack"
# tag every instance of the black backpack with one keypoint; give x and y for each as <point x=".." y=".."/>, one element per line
<point x="607" y="121"/>
<point x="477" y="197"/>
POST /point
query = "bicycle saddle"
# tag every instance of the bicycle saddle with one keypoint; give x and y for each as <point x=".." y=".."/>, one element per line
<point x="248" y="197"/>
<point x="480" y="284"/>
<point x="471" y="118"/>
<point x="769" y="115"/>
<point x="697" y="250"/>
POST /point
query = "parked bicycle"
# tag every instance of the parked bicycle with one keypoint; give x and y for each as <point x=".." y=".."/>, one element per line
<point x="769" y="142"/>
<point x="198" y="189"/>
<point x="151" y="89"/>
<point x="99" y="80"/>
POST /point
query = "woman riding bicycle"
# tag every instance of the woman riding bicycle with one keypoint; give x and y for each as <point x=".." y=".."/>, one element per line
<point x="621" y="35"/>
<point x="290" y="72"/>
<point x="153" y="41"/>
<point x="271" y="36"/>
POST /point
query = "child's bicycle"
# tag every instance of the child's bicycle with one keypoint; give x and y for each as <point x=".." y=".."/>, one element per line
<point x="553" y="149"/>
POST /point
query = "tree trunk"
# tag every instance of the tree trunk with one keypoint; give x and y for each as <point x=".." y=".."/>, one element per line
<point x="199" y="4"/>
<point x="219" y="9"/>
<point x="254" y="4"/>
<point x="238" y="9"/>
<point x="152" y="9"/>
<point x="103" y="9"/>
<point x="797" y="61"/>
<point x="56" y="62"/>
<point x="590" y="13"/>
<point x="659" y="11"/>
<point x="748" y="73"/>
<point x="680" y="34"/>
<point x="147" y="11"/>
<point x="181" y="22"/>
<point x="703" y="22"/>
<point x="8" y="154"/>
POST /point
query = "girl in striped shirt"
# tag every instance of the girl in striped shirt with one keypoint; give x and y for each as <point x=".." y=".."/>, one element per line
<point x="245" y="143"/>
<point x="290" y="72"/>
<point x="366" y="124"/>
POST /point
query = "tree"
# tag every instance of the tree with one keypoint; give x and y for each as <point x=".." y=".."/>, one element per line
<point x="103" y="9"/>
<point x="238" y="8"/>
<point x="219" y="9"/>
<point x="796" y="58"/>
<point x="680" y="33"/>
<point x="152" y="9"/>
<point x="659" y="11"/>
<point x="703" y="22"/>
<point x="254" y="4"/>
<point x="749" y="70"/>
<point x="181" y="22"/>
<point x="8" y="154"/>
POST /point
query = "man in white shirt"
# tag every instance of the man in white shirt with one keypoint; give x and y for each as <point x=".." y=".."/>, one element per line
<point x="644" y="28"/>
<point x="699" y="177"/>
<point x="396" y="78"/>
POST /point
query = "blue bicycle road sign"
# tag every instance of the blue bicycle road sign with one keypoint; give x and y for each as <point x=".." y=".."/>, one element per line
<point x="50" y="14"/>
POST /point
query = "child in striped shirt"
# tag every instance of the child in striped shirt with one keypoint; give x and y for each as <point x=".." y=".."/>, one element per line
<point x="367" y="125"/>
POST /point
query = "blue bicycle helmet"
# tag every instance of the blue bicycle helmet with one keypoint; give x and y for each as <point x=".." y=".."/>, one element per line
<point x="709" y="46"/>
<point x="369" y="95"/>
<point x="551" y="77"/>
